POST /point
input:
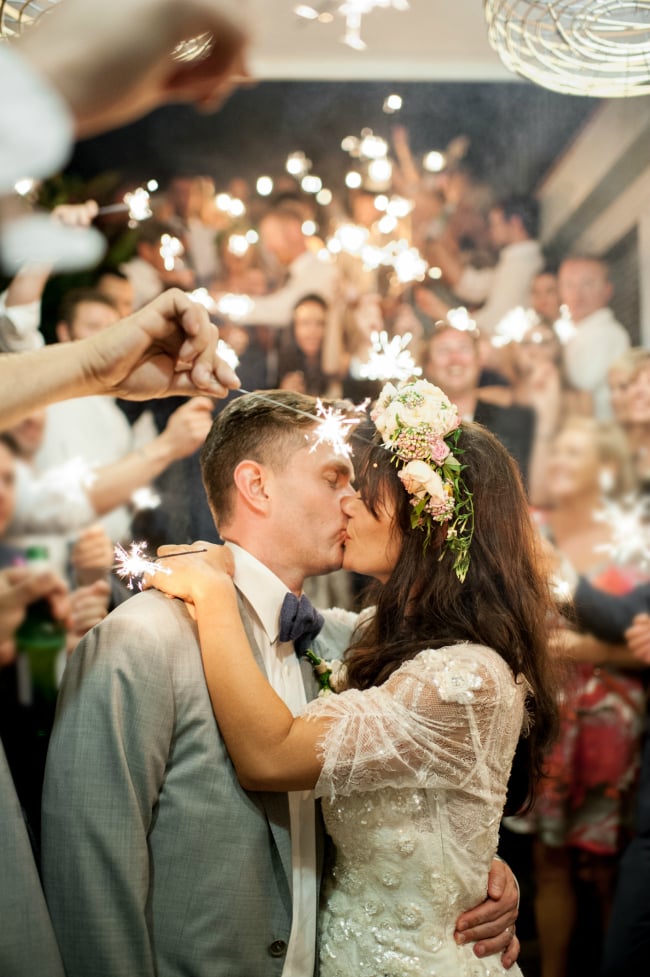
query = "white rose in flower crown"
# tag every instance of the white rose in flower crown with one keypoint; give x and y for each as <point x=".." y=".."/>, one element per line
<point x="429" y="408"/>
<point x="419" y="479"/>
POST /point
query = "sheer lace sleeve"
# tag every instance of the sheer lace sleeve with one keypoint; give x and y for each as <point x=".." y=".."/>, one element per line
<point x="447" y="719"/>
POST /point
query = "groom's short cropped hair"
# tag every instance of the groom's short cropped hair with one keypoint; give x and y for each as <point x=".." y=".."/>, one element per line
<point x="268" y="429"/>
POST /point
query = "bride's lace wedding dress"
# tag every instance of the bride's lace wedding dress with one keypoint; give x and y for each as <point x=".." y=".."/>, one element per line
<point x="413" y="785"/>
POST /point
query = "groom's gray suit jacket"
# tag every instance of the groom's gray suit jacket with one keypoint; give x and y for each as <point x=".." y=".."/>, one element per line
<point x="155" y="861"/>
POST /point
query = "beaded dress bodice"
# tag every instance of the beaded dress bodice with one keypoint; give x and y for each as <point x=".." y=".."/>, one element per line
<point x="413" y="783"/>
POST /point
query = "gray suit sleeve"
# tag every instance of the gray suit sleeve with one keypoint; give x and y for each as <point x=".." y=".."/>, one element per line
<point x="106" y="763"/>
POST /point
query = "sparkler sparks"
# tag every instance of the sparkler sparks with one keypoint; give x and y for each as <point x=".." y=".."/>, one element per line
<point x="234" y="306"/>
<point x="171" y="248"/>
<point x="136" y="203"/>
<point x="389" y="359"/>
<point x="630" y="532"/>
<point x="132" y="564"/>
<point x="145" y="498"/>
<point x="334" y="427"/>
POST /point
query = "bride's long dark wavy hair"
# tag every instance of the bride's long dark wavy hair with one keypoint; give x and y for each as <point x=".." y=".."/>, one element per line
<point x="504" y="602"/>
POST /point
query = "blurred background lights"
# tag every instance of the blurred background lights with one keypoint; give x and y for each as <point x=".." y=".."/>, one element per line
<point x="434" y="162"/>
<point x="305" y="11"/>
<point x="380" y="170"/>
<point x="353" y="180"/>
<point x="392" y="104"/>
<point x="264" y="186"/>
<point x="311" y="184"/>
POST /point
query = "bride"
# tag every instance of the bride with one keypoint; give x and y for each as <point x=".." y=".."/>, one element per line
<point x="445" y="676"/>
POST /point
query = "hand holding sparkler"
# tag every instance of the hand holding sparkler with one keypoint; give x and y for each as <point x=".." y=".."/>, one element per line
<point x="168" y="347"/>
<point x="193" y="569"/>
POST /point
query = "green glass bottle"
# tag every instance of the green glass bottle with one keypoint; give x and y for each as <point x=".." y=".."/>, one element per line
<point x="41" y="639"/>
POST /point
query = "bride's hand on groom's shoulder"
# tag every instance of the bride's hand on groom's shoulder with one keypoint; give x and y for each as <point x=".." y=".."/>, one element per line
<point x="191" y="572"/>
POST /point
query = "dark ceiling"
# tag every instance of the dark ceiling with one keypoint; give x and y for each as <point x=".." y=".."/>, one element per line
<point x="516" y="130"/>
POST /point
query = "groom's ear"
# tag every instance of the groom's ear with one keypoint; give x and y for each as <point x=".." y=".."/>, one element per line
<point x="250" y="480"/>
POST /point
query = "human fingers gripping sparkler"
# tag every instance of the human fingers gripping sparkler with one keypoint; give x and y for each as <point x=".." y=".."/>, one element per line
<point x="134" y="563"/>
<point x="192" y="569"/>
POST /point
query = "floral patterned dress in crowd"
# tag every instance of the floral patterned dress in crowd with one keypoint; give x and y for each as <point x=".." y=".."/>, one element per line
<point x="413" y="784"/>
<point x="586" y="800"/>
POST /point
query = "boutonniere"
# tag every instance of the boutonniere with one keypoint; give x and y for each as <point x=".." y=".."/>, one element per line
<point x="331" y="676"/>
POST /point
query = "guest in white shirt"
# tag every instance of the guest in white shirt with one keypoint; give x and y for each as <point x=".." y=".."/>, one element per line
<point x="513" y="231"/>
<point x="599" y="338"/>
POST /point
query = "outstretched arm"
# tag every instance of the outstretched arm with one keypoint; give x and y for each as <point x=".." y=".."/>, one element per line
<point x="166" y="348"/>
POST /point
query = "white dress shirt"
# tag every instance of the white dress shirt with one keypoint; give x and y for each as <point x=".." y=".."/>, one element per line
<point x="95" y="431"/>
<point x="19" y="326"/>
<point x="502" y="288"/>
<point x="264" y="594"/>
<point x="147" y="283"/>
<point x="599" y="339"/>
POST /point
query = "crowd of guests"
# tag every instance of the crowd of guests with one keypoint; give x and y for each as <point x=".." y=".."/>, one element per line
<point x="565" y="393"/>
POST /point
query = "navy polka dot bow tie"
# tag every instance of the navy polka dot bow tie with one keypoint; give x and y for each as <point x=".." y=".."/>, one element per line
<point x="300" y="622"/>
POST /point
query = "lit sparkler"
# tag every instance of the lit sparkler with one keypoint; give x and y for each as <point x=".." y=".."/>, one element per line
<point x="144" y="499"/>
<point x="460" y="319"/>
<point x="136" y="203"/>
<point x="171" y="249"/>
<point x="234" y="306"/>
<point x="203" y="297"/>
<point x="514" y="326"/>
<point x="334" y="427"/>
<point x="564" y="327"/>
<point x="67" y="476"/>
<point x="24" y="186"/>
<point x="409" y="265"/>
<point x="133" y="563"/>
<point x="389" y="359"/>
<point x="227" y="353"/>
<point x="630" y="532"/>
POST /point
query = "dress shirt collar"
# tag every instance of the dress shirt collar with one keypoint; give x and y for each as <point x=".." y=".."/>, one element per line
<point x="262" y="589"/>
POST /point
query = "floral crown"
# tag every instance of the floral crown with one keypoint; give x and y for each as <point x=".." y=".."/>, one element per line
<point x="420" y="426"/>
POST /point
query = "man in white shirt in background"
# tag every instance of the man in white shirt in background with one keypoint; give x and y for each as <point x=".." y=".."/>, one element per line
<point x="599" y="338"/>
<point x="513" y="226"/>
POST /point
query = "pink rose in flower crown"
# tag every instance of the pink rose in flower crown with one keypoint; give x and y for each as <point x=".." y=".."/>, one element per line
<point x="439" y="450"/>
<point x="419" y="479"/>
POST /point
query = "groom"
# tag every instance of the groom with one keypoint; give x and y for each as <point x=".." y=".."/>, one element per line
<point x="155" y="860"/>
